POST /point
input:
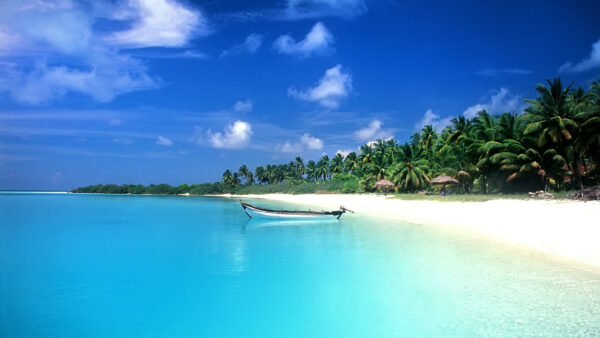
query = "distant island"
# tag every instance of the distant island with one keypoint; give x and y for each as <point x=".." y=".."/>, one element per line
<point x="554" y="145"/>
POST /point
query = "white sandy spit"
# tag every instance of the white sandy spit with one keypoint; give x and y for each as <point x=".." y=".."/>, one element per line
<point x="564" y="229"/>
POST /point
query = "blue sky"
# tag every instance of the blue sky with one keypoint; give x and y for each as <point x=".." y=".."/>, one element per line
<point x="166" y="91"/>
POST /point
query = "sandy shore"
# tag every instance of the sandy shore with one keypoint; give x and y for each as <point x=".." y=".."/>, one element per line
<point x="564" y="229"/>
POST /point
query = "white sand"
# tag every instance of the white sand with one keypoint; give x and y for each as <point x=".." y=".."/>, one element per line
<point x="564" y="229"/>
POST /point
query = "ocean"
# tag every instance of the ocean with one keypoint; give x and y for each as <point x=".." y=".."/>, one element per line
<point x="172" y="266"/>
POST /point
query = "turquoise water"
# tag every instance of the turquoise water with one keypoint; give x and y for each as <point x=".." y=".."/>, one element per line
<point x="142" y="266"/>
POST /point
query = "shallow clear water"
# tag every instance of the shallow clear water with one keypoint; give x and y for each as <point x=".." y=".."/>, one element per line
<point x="142" y="266"/>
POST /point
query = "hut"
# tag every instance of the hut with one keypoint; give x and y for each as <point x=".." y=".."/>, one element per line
<point x="443" y="180"/>
<point x="385" y="184"/>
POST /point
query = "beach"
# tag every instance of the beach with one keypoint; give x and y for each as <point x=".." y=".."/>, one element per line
<point x="565" y="230"/>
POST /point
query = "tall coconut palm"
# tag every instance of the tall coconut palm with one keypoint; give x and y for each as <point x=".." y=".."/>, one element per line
<point x="351" y="163"/>
<point x="261" y="176"/>
<point x="460" y="127"/>
<point x="337" y="164"/>
<point x="299" y="166"/>
<point x="412" y="172"/>
<point x="521" y="162"/>
<point x="245" y="173"/>
<point x="311" y="170"/>
<point x="366" y="154"/>
<point x="323" y="170"/>
<point x="485" y="141"/>
<point x="427" y="141"/>
<point x="549" y="120"/>
<point x="227" y="177"/>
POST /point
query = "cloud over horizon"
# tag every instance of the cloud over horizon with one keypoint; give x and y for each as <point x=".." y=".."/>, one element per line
<point x="234" y="136"/>
<point x="373" y="131"/>
<point x="307" y="142"/>
<point x="433" y="119"/>
<point x="500" y="101"/>
<point x="334" y="86"/>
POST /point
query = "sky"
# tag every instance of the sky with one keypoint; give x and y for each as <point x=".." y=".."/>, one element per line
<point x="174" y="91"/>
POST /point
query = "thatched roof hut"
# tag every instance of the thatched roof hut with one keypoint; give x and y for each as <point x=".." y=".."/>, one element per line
<point x="384" y="184"/>
<point x="443" y="180"/>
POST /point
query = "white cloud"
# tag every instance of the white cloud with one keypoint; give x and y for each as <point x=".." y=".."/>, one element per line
<point x="306" y="9"/>
<point x="373" y="131"/>
<point x="499" y="102"/>
<point x="332" y="87"/>
<point x="243" y="106"/>
<point x="106" y="78"/>
<point x="250" y="45"/>
<point x="289" y="147"/>
<point x="64" y="52"/>
<point x="317" y="41"/>
<point x="312" y="143"/>
<point x="59" y="26"/>
<point x="235" y="136"/>
<point x="307" y="142"/>
<point x="344" y="153"/>
<point x="163" y="141"/>
<point x="433" y="119"/>
<point x="591" y="62"/>
<point x="158" y="23"/>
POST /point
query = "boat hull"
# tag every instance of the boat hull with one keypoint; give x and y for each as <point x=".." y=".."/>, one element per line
<point x="267" y="215"/>
<point x="255" y="212"/>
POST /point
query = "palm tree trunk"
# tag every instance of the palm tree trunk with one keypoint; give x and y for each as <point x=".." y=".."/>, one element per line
<point x="484" y="181"/>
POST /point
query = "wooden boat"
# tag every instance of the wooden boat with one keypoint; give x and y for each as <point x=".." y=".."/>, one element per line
<point x="257" y="212"/>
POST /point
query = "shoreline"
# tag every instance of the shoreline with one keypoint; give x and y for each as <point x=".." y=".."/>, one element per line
<point x="563" y="229"/>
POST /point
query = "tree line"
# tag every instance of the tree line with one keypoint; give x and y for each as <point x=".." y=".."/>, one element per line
<point x="554" y="144"/>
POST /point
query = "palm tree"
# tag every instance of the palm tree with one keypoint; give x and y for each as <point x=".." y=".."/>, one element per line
<point x="549" y="119"/>
<point x="366" y="154"/>
<point x="484" y="143"/>
<point x="246" y="174"/>
<point x="261" y="176"/>
<point x="323" y="170"/>
<point x="586" y="113"/>
<point x="311" y="170"/>
<point x="227" y="177"/>
<point x="299" y="167"/>
<point x="337" y="164"/>
<point x="427" y="141"/>
<point x="235" y="179"/>
<point x="411" y="173"/>
<point x="460" y="127"/>
<point x="351" y="163"/>
<point x="521" y="162"/>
